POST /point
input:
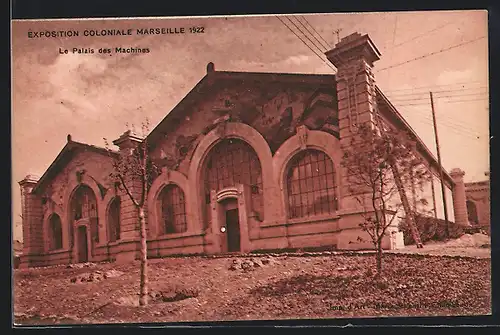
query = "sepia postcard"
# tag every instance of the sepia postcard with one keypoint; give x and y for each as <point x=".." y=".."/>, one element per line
<point x="274" y="167"/>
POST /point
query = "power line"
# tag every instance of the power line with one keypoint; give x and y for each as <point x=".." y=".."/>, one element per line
<point x="457" y="130"/>
<point x="449" y="122"/>
<point x="329" y="46"/>
<point x="307" y="45"/>
<point x="326" y="48"/>
<point x="437" y="85"/>
<point x="322" y="51"/>
<point x="440" y="91"/>
<point x="447" y="101"/>
<point x="423" y="34"/>
<point x="431" y="54"/>
<point x="442" y="96"/>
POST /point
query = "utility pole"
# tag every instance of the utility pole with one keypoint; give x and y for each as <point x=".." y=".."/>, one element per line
<point x="440" y="168"/>
<point x="338" y="34"/>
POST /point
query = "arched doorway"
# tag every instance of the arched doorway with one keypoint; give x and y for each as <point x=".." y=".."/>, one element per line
<point x="83" y="222"/>
<point x="472" y="212"/>
<point x="82" y="243"/>
<point x="231" y="225"/>
<point x="233" y="192"/>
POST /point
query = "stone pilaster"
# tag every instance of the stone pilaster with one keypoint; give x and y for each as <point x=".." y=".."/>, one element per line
<point x="129" y="214"/>
<point x="353" y="57"/>
<point x="459" y="197"/>
<point x="32" y="220"/>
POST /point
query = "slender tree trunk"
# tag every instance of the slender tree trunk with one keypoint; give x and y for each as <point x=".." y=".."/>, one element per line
<point x="379" y="259"/>
<point x="143" y="297"/>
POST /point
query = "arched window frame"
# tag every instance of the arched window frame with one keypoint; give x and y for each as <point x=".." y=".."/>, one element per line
<point x="244" y="167"/>
<point x="469" y="204"/>
<point x="55" y="233"/>
<point x="114" y="225"/>
<point x="310" y="172"/>
<point x="84" y="203"/>
<point x="173" y="219"/>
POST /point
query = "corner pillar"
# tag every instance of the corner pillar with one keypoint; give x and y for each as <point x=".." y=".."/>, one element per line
<point x="459" y="197"/>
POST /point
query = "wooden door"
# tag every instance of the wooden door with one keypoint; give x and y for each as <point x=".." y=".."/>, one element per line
<point x="82" y="244"/>
<point x="233" y="230"/>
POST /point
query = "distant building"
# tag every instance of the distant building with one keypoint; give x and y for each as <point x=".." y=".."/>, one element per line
<point x="251" y="161"/>
<point x="478" y="203"/>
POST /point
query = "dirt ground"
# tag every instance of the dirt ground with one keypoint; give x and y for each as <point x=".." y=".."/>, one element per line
<point x="472" y="245"/>
<point x="309" y="285"/>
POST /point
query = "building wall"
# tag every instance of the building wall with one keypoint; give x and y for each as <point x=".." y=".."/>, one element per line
<point x="274" y="230"/>
<point x="479" y="194"/>
<point x="439" y="200"/>
<point x="55" y="198"/>
<point x="279" y="119"/>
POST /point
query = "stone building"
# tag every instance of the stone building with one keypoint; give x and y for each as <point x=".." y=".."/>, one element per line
<point x="478" y="203"/>
<point x="251" y="161"/>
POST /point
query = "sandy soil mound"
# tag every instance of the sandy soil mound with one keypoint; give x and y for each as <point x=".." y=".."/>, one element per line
<point x="470" y="240"/>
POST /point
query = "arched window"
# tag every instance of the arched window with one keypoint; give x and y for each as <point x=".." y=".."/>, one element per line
<point x="84" y="207"/>
<point x="311" y="185"/>
<point x="233" y="162"/>
<point x="114" y="220"/>
<point x="472" y="212"/>
<point x="55" y="232"/>
<point x="84" y="203"/>
<point x="173" y="209"/>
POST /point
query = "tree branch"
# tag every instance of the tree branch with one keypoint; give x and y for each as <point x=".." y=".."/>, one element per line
<point x="127" y="190"/>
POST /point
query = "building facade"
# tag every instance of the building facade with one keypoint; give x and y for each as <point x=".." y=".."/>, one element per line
<point x="478" y="203"/>
<point x="250" y="161"/>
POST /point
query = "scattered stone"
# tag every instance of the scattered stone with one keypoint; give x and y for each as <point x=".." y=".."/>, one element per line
<point x="257" y="263"/>
<point x="127" y="301"/>
<point x="246" y="265"/>
<point x="95" y="276"/>
<point x="113" y="274"/>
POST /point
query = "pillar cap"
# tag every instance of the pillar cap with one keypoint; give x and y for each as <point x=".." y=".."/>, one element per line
<point x="457" y="173"/>
<point x="30" y="179"/>
<point x="127" y="138"/>
<point x="353" y="46"/>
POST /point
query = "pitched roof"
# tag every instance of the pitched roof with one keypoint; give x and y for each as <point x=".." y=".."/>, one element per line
<point x="396" y="117"/>
<point x="215" y="77"/>
<point x="212" y="76"/>
<point x="207" y="82"/>
<point x="60" y="160"/>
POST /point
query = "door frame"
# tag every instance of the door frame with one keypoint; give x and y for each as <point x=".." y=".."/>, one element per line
<point x="76" y="238"/>
<point x="219" y="199"/>
<point x="228" y="206"/>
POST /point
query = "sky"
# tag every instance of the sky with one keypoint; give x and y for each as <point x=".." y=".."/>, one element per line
<point x="96" y="96"/>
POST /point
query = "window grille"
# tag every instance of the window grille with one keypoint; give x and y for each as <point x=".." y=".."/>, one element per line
<point x="311" y="185"/>
<point x="84" y="204"/>
<point x="55" y="232"/>
<point x="173" y="209"/>
<point x="233" y="162"/>
<point x="114" y="220"/>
